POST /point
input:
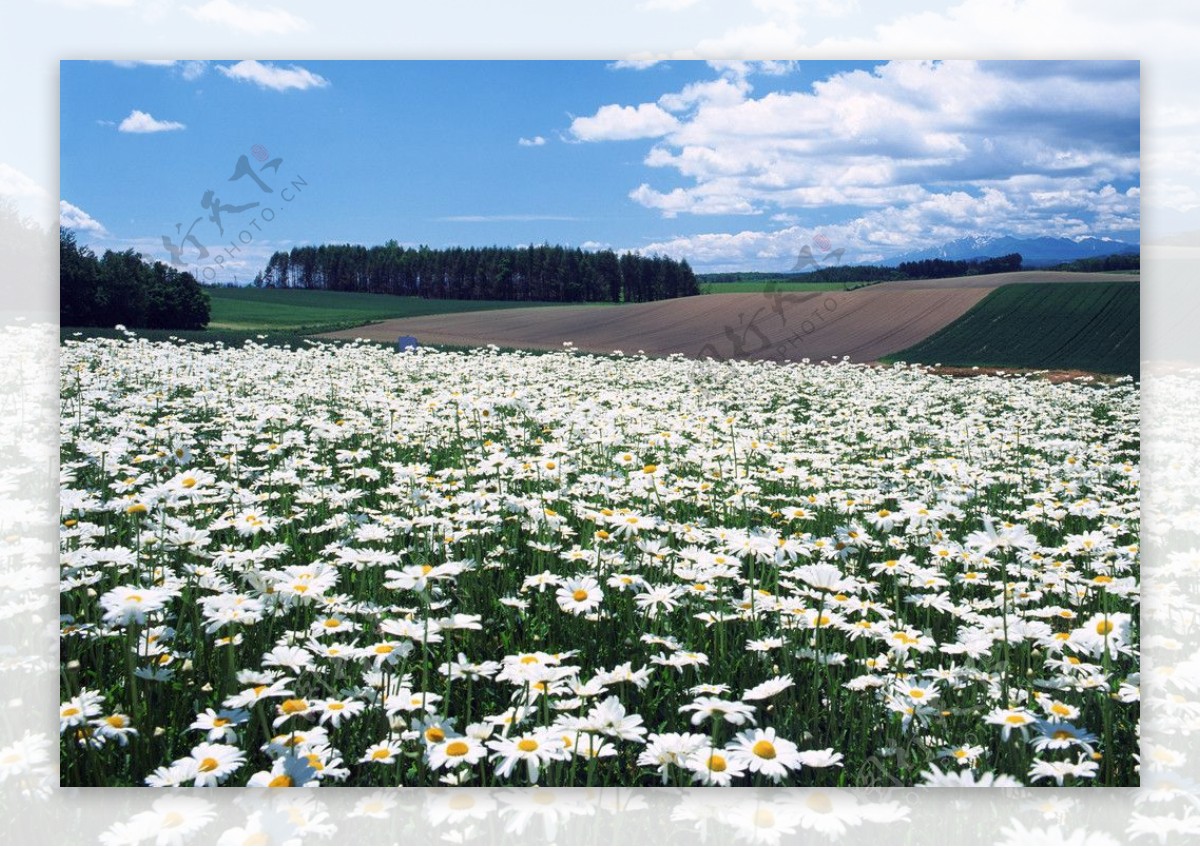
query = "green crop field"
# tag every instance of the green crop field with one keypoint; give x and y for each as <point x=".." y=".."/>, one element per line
<point x="287" y="316"/>
<point x="1083" y="326"/>
<point x="299" y="310"/>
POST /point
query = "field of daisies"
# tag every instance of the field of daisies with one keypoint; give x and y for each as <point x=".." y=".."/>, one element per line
<point x="347" y="566"/>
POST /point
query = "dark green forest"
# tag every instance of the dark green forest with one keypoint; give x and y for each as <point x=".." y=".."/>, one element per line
<point x="922" y="269"/>
<point x="537" y="273"/>
<point x="123" y="288"/>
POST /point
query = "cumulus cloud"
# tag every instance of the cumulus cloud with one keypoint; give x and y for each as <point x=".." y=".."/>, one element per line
<point x="1027" y="209"/>
<point x="247" y="19"/>
<point x="73" y="217"/>
<point x="143" y="122"/>
<point x="536" y="141"/>
<point x="624" y="123"/>
<point x="267" y="75"/>
<point x="909" y="153"/>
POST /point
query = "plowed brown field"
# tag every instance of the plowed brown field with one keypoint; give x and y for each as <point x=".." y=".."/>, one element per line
<point x="862" y="325"/>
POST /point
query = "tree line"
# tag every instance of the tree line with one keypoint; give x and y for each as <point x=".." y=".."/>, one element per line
<point x="937" y="268"/>
<point x="1115" y="262"/>
<point x="923" y="269"/>
<point x="534" y="273"/>
<point x="123" y="288"/>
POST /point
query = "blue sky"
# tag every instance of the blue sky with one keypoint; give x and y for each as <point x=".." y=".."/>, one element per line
<point x="731" y="165"/>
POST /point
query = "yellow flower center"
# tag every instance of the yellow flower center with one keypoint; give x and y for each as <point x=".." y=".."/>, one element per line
<point x="381" y="754"/>
<point x="208" y="764"/>
<point x="579" y="595"/>
<point x="220" y="721"/>
<point x="281" y="781"/>
<point x="1104" y="627"/>
<point x="527" y="745"/>
<point x="291" y="707"/>
<point x="717" y="763"/>
<point x="764" y="749"/>
<point x="457" y="748"/>
<point x="434" y="734"/>
<point x="115" y="721"/>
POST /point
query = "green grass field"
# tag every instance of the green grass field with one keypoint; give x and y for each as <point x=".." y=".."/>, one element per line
<point x="301" y="311"/>
<point x="1082" y="326"/>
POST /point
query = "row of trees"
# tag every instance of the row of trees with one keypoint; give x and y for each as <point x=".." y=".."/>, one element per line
<point x="1115" y="262"/>
<point x="923" y="269"/>
<point x="122" y="288"/>
<point x="545" y="273"/>
<point x="937" y="268"/>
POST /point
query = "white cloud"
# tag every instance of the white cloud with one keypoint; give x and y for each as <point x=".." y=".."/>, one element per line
<point x="73" y="217"/>
<point x="143" y="122"/>
<point x="246" y="19"/>
<point x="189" y="70"/>
<point x="741" y="68"/>
<point x="634" y="63"/>
<point x="722" y="92"/>
<point x="1028" y="148"/>
<point x="267" y="75"/>
<point x="929" y="219"/>
<point x="193" y="70"/>
<point x="623" y="123"/>
<point x="536" y="141"/>
<point x="707" y="200"/>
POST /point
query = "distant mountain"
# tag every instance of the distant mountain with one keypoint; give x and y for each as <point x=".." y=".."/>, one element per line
<point x="1035" y="252"/>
